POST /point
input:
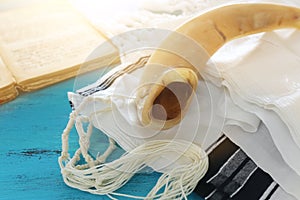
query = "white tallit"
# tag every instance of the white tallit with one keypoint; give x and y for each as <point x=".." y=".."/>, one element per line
<point x="261" y="73"/>
<point x="202" y="124"/>
<point x="251" y="97"/>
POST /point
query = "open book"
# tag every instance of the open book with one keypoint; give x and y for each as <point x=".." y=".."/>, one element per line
<point x="44" y="42"/>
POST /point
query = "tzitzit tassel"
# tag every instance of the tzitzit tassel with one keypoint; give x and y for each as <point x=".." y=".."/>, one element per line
<point x="102" y="178"/>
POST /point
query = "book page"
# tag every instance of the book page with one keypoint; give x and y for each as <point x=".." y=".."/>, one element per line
<point x="45" y="42"/>
<point x="7" y="84"/>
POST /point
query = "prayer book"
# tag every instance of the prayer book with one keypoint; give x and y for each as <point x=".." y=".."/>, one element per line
<point x="44" y="42"/>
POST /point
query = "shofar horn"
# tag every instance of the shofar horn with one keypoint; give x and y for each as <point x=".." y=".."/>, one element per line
<point x="165" y="94"/>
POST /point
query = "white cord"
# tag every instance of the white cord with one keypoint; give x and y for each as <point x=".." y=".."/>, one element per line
<point x="102" y="178"/>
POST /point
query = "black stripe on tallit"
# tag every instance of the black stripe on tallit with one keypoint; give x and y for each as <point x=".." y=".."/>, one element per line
<point x="230" y="169"/>
<point x="224" y="180"/>
<point x="217" y="158"/>
<point x="234" y="182"/>
<point x="244" y="177"/>
<point x="272" y="192"/>
<point x="109" y="80"/>
<point x="240" y="178"/>
<point x="255" y="187"/>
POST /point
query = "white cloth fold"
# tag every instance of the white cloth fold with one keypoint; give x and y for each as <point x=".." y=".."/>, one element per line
<point x="254" y="98"/>
<point x="114" y="112"/>
<point x="261" y="73"/>
<point x="246" y="100"/>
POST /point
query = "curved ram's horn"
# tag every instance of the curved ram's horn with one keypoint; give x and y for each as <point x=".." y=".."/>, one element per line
<point x="171" y="90"/>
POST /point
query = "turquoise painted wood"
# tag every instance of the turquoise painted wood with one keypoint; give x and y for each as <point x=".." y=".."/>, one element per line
<point x="30" y="136"/>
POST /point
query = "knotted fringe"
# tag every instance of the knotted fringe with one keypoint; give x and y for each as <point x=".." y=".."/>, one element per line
<point x="102" y="178"/>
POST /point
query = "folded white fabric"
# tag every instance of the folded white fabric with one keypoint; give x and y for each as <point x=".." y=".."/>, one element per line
<point x="261" y="73"/>
<point x="252" y="98"/>
<point x="117" y="115"/>
<point x="177" y="152"/>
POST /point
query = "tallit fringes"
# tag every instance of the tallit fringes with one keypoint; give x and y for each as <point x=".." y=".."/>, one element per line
<point x="177" y="183"/>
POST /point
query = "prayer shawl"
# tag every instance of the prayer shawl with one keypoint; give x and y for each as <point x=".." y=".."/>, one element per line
<point x="248" y="96"/>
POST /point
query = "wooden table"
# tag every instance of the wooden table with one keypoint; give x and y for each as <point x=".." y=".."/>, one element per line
<point x="30" y="135"/>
